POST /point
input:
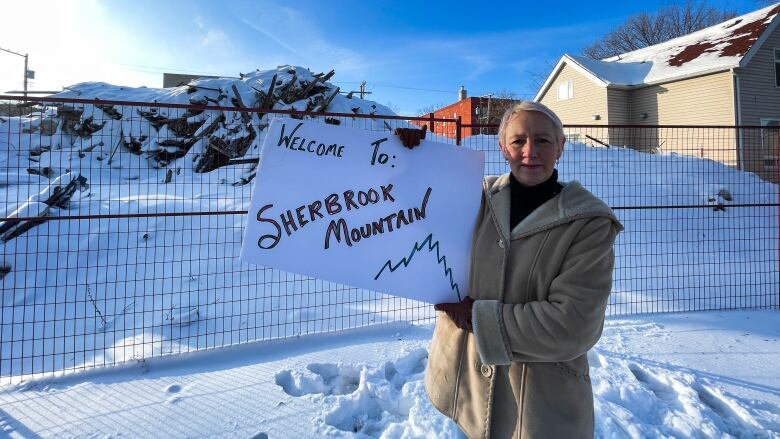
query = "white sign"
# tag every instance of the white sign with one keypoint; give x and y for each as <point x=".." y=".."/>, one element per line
<point x="357" y="207"/>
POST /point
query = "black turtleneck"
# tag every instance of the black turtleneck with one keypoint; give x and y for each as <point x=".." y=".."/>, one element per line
<point x="525" y="199"/>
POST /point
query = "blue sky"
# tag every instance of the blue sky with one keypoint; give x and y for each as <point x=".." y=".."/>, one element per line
<point x="411" y="54"/>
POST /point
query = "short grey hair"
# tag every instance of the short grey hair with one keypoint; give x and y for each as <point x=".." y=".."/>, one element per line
<point x="530" y="106"/>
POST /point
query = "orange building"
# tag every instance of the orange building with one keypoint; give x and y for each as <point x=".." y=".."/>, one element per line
<point x="472" y="111"/>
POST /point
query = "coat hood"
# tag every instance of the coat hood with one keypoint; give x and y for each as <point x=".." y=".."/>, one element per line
<point x="573" y="202"/>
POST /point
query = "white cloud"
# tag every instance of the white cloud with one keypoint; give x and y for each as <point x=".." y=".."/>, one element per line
<point x="211" y="35"/>
<point x="215" y="37"/>
<point x="273" y="37"/>
<point x="302" y="39"/>
<point x="480" y="65"/>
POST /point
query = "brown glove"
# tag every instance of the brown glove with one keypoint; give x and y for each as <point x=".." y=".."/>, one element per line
<point x="411" y="137"/>
<point x="459" y="312"/>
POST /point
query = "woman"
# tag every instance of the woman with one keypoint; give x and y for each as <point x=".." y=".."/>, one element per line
<point x="511" y="359"/>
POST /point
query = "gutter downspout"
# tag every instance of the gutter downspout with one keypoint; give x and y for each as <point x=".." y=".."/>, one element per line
<point x="738" y="121"/>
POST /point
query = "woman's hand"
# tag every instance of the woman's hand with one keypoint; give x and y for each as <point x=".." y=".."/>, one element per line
<point x="411" y="137"/>
<point x="459" y="312"/>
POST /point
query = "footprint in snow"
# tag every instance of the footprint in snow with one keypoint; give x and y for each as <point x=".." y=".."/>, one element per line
<point x="173" y="388"/>
<point x="320" y="378"/>
<point x="662" y="390"/>
<point x="715" y="412"/>
<point x="735" y="416"/>
<point x="359" y="397"/>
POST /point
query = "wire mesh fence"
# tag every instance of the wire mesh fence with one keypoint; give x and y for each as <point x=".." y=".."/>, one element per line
<point x="121" y="227"/>
<point x="699" y="205"/>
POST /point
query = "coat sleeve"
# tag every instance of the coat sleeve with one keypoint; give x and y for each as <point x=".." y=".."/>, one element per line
<point x="569" y="322"/>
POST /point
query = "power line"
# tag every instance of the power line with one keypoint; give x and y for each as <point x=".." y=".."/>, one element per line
<point x="378" y="84"/>
<point x="382" y="85"/>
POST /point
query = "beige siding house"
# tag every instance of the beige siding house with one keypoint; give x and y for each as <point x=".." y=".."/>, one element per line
<point x="591" y="101"/>
<point x="727" y="75"/>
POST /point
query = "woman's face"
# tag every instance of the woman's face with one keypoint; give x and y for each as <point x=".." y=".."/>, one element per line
<point x="531" y="146"/>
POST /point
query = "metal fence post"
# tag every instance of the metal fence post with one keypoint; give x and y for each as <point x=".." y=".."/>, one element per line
<point x="458" y="134"/>
<point x="430" y="124"/>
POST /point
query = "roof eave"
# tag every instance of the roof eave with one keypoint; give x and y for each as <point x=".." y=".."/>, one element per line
<point x="548" y="81"/>
<point x="759" y="42"/>
<point x="571" y="61"/>
<point x="687" y="76"/>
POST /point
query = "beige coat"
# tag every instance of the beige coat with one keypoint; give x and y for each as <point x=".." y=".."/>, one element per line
<point x="540" y="296"/>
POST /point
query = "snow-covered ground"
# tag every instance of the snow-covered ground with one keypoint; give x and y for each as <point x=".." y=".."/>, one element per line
<point x="98" y="292"/>
<point x="704" y="374"/>
<point x="113" y="290"/>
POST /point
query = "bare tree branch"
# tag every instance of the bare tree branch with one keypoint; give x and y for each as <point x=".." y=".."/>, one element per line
<point x="424" y="111"/>
<point x="642" y="30"/>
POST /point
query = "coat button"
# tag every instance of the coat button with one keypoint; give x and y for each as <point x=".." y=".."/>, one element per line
<point x="486" y="370"/>
<point x="501" y="243"/>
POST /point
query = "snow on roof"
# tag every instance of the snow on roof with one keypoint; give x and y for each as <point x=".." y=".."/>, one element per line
<point x="610" y="72"/>
<point x="716" y="48"/>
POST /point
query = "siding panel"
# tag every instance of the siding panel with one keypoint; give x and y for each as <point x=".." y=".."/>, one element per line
<point x="705" y="100"/>
<point x="618" y="102"/>
<point x="760" y="99"/>
<point x="589" y="99"/>
<point x="619" y="106"/>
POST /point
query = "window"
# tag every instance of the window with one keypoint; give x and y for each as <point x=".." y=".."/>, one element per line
<point x="769" y="143"/>
<point x="565" y="90"/>
<point x="777" y="67"/>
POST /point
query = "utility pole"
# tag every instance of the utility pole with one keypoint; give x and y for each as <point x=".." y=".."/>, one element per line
<point x="27" y="73"/>
<point x="361" y="92"/>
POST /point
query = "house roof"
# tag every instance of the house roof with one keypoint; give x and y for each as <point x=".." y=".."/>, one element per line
<point x="721" y="47"/>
